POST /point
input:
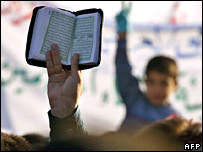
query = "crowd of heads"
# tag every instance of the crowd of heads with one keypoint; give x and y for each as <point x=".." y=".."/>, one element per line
<point x="168" y="134"/>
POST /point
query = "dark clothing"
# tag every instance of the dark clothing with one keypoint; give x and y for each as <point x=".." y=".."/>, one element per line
<point x="61" y="128"/>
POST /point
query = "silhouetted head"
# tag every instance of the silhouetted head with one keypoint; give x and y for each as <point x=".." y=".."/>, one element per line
<point x="168" y="134"/>
<point x="11" y="142"/>
<point x="37" y="141"/>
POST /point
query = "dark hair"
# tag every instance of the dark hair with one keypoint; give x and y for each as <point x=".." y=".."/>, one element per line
<point x="182" y="129"/>
<point x="36" y="140"/>
<point x="11" y="142"/>
<point x="110" y="142"/>
<point x="164" y="65"/>
<point x="168" y="135"/>
<point x="76" y="143"/>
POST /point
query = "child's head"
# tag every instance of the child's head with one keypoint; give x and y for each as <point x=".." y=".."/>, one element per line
<point x="161" y="79"/>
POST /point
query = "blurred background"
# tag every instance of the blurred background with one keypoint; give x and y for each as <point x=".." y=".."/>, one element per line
<point x="173" y="28"/>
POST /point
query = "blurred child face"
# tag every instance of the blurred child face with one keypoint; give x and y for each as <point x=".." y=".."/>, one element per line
<point x="159" y="87"/>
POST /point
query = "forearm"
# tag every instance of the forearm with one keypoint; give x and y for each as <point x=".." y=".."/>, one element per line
<point x="127" y="83"/>
<point x="121" y="60"/>
<point x="61" y="128"/>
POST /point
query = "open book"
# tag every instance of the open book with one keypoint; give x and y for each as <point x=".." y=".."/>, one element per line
<point x="73" y="32"/>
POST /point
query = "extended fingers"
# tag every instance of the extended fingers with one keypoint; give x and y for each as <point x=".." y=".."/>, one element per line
<point x="126" y="8"/>
<point x="74" y="64"/>
<point x="56" y="59"/>
<point x="50" y="65"/>
<point x="53" y="61"/>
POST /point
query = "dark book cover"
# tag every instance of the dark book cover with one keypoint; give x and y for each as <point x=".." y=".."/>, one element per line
<point x="68" y="67"/>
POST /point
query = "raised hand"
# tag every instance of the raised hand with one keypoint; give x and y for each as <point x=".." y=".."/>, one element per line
<point x="64" y="87"/>
<point x="122" y="18"/>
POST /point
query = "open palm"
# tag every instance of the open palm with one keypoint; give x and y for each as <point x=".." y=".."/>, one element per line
<point x="64" y="87"/>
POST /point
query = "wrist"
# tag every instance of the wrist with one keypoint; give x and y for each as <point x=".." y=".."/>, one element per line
<point x="62" y="113"/>
<point x="122" y="35"/>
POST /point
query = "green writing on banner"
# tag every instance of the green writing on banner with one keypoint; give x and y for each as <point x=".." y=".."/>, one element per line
<point x="22" y="73"/>
<point x="181" y="94"/>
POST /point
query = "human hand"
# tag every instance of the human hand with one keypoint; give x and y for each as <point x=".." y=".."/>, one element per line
<point x="122" y="18"/>
<point x="64" y="86"/>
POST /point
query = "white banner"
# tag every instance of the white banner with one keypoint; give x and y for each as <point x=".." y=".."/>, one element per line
<point x="24" y="101"/>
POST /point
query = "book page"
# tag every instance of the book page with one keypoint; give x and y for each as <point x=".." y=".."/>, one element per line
<point x="85" y="37"/>
<point x="58" y="28"/>
<point x="59" y="31"/>
<point x="39" y="30"/>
